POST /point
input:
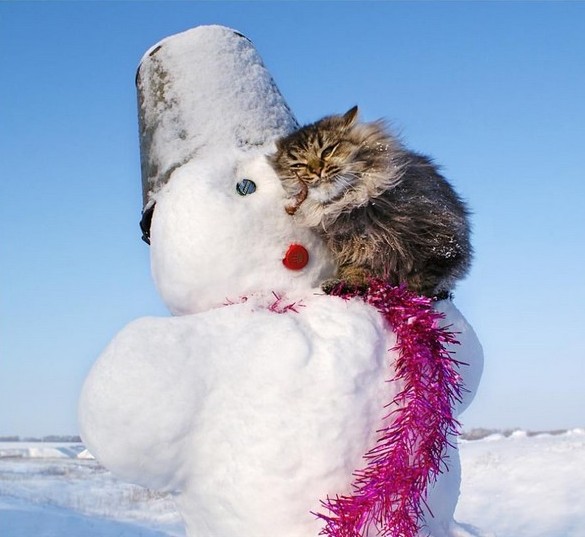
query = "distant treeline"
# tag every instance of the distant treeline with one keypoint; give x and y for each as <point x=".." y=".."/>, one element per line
<point x="51" y="438"/>
<point x="472" y="434"/>
<point x="478" y="434"/>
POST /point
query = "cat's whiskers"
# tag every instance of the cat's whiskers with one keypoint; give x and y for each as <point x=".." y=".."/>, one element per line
<point x="347" y="179"/>
<point x="335" y="188"/>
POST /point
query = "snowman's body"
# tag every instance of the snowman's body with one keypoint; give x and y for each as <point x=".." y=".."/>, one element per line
<point x="260" y="399"/>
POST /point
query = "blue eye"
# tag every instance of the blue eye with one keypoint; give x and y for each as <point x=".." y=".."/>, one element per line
<point x="245" y="187"/>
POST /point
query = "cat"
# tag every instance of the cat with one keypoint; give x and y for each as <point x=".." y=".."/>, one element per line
<point x="383" y="210"/>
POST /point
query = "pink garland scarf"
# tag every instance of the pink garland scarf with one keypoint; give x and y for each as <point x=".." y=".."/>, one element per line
<point x="409" y="454"/>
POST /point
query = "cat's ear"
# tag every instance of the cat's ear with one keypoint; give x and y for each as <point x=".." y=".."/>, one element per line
<point x="350" y="117"/>
<point x="280" y="144"/>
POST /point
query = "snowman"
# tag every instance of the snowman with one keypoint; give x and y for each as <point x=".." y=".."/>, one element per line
<point x="261" y="401"/>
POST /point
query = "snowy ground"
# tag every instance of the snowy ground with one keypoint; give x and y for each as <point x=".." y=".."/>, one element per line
<point x="50" y="490"/>
<point x="525" y="486"/>
<point x="515" y="486"/>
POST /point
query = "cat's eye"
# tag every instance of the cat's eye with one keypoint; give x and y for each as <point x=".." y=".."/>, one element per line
<point x="297" y="166"/>
<point x="328" y="151"/>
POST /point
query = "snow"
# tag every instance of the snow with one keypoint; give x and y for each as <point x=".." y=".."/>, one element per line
<point x="49" y="496"/>
<point x="523" y="486"/>
<point x="517" y="486"/>
<point x="44" y="450"/>
<point x="24" y="519"/>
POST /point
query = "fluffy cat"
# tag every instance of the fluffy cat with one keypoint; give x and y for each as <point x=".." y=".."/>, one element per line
<point x="383" y="210"/>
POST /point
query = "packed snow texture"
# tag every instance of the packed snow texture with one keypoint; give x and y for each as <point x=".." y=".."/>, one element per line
<point x="520" y="486"/>
<point x="261" y="397"/>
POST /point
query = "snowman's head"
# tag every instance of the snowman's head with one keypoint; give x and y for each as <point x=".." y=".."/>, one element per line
<point x="220" y="234"/>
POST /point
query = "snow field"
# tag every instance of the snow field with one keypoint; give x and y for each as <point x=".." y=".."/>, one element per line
<point x="63" y="493"/>
<point x="516" y="486"/>
<point x="525" y="486"/>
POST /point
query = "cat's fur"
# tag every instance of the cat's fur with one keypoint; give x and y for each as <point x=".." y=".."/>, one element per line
<point x="383" y="210"/>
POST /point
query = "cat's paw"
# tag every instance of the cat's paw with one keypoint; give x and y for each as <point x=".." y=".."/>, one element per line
<point x="328" y="286"/>
<point x="336" y="286"/>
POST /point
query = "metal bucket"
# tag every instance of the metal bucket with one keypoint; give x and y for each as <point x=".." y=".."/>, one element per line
<point x="200" y="92"/>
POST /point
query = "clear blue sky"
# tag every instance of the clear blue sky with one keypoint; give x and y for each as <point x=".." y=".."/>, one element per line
<point x="495" y="92"/>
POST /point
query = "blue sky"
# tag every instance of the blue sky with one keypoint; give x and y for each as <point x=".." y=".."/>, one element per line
<point x="495" y="92"/>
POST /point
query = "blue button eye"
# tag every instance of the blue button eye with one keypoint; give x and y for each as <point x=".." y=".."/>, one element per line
<point x="245" y="187"/>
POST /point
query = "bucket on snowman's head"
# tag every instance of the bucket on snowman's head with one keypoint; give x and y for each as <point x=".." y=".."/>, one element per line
<point x="201" y="92"/>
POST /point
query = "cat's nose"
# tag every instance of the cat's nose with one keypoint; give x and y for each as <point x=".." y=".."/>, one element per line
<point x="318" y="173"/>
<point x="316" y="168"/>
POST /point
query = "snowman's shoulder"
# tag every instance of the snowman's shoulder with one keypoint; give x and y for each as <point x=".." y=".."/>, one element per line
<point x="331" y="315"/>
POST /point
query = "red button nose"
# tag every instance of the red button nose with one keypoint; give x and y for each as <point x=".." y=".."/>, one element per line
<point x="296" y="257"/>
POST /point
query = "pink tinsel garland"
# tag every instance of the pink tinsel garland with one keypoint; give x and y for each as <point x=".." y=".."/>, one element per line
<point x="409" y="454"/>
